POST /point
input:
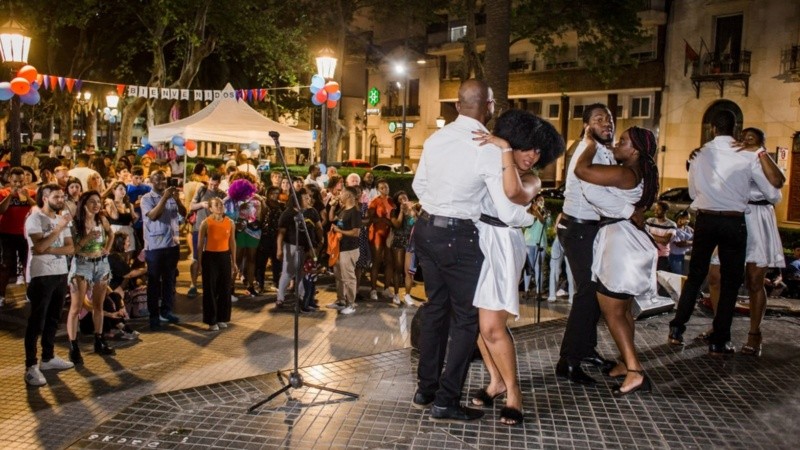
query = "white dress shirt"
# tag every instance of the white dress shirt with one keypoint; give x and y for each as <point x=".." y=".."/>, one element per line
<point x="455" y="174"/>
<point x="589" y="201"/>
<point x="720" y="177"/>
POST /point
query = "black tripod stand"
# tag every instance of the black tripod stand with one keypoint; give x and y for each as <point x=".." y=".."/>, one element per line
<point x="294" y="380"/>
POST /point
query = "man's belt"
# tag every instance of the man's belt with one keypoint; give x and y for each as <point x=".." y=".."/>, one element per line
<point x="759" y="202"/>
<point x="90" y="260"/>
<point x="493" y="221"/>
<point x="721" y="213"/>
<point x="569" y="218"/>
<point x="443" y="221"/>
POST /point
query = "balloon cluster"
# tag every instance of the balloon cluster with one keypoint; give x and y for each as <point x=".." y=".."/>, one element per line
<point x="111" y="115"/>
<point x="146" y="149"/>
<point x="322" y="92"/>
<point x="25" y="85"/>
<point x="253" y="150"/>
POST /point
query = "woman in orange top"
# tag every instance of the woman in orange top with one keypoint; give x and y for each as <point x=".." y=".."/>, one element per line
<point x="217" y="248"/>
<point x="380" y="219"/>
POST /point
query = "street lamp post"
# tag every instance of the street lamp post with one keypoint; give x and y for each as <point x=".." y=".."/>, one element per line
<point x="326" y="67"/>
<point x="14" y="47"/>
<point x="401" y="70"/>
<point x="83" y="99"/>
<point x="110" y="114"/>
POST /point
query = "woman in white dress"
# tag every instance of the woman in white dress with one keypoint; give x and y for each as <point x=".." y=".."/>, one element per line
<point x="526" y="140"/>
<point x="625" y="256"/>
<point x="764" y="246"/>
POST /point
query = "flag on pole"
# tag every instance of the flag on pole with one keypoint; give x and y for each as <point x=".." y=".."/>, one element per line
<point x="690" y="56"/>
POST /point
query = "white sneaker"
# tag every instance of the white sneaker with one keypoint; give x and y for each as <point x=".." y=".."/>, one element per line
<point x="348" y="310"/>
<point x="214" y="327"/>
<point x="20" y="279"/>
<point x="551" y="299"/>
<point x="34" y="377"/>
<point x="373" y="294"/>
<point x="409" y="301"/>
<point x="222" y="324"/>
<point x="335" y="305"/>
<point x="234" y="299"/>
<point x="56" y="364"/>
<point x="128" y="336"/>
<point x="562" y="293"/>
<point x="388" y="293"/>
<point x="396" y="300"/>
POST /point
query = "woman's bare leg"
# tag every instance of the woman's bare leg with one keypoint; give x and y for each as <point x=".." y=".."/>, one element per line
<point x="501" y="347"/>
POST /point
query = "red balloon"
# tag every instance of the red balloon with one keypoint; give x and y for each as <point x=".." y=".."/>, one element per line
<point x="21" y="86"/>
<point x="150" y="154"/>
<point x="331" y="104"/>
<point x="190" y="145"/>
<point x="331" y="87"/>
<point x="28" y="72"/>
<point x="321" y="95"/>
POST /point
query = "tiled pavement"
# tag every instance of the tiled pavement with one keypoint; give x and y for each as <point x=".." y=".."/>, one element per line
<point x="187" y="388"/>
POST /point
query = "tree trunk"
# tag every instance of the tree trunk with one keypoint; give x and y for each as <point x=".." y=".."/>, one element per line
<point x="471" y="64"/>
<point x="498" y="36"/>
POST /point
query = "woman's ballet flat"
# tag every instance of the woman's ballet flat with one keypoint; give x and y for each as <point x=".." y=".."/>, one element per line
<point x="511" y="416"/>
<point x="644" y="386"/>
<point x="482" y="398"/>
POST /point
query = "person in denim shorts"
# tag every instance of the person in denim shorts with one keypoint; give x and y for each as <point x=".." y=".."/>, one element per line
<point x="92" y="237"/>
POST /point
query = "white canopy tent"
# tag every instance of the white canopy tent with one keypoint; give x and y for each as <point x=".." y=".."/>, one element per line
<point x="229" y="120"/>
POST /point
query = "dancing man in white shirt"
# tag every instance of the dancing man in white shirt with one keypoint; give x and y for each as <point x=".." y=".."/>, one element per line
<point x="719" y="183"/>
<point x="453" y="177"/>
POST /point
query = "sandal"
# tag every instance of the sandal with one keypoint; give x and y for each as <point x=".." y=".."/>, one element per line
<point x="644" y="386"/>
<point x="752" y="350"/>
<point x="705" y="336"/>
<point x="512" y="416"/>
<point x="484" y="398"/>
<point x="608" y="372"/>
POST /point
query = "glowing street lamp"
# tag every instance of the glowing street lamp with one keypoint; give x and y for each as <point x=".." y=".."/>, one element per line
<point x="326" y="68"/>
<point x="14" y="47"/>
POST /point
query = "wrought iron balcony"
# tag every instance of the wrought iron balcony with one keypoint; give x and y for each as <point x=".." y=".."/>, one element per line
<point x="717" y="68"/>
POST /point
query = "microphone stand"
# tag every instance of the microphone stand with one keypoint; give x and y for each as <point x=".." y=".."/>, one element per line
<point x="540" y="261"/>
<point x="294" y="380"/>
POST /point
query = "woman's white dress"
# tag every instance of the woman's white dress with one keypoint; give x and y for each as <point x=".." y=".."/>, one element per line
<point x="764" y="246"/>
<point x="625" y="257"/>
<point x="504" y="252"/>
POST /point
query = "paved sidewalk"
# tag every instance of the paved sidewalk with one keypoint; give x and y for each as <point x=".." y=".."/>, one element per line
<point x="184" y="356"/>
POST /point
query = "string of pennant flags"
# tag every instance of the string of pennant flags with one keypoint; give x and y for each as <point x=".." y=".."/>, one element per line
<point x="54" y="82"/>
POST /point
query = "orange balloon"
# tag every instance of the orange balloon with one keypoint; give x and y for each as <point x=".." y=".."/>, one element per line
<point x="20" y="86"/>
<point x="28" y="72"/>
<point x="331" y="87"/>
<point x="331" y="104"/>
<point x="190" y="145"/>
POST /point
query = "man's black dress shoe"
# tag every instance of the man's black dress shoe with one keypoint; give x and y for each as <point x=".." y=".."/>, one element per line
<point x="721" y="349"/>
<point x="605" y="365"/>
<point x="675" y="336"/>
<point x="573" y="373"/>
<point x="422" y="401"/>
<point x="454" y="413"/>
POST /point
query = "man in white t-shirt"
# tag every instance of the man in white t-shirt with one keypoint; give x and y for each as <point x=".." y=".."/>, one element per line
<point x="82" y="171"/>
<point x="49" y="242"/>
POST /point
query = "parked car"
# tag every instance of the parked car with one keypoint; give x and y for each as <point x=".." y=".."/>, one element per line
<point x="356" y="163"/>
<point x="678" y="199"/>
<point x="391" y="168"/>
<point x="556" y="192"/>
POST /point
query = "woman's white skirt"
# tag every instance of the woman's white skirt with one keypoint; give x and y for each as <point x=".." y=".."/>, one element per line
<point x="625" y="259"/>
<point x="504" y="252"/>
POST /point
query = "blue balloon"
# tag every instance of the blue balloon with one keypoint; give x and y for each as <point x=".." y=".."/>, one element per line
<point x="5" y="91"/>
<point x="317" y="81"/>
<point x="112" y="119"/>
<point x="180" y="150"/>
<point x="314" y="100"/>
<point x="142" y="150"/>
<point x="145" y="141"/>
<point x="335" y="96"/>
<point x="323" y="169"/>
<point x="254" y="146"/>
<point x="35" y="86"/>
<point x="178" y="140"/>
<point x="31" y="98"/>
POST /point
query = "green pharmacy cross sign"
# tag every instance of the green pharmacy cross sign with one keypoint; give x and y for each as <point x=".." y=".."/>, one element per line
<point x="374" y="96"/>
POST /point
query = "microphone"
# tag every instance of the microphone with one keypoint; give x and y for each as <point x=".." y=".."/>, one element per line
<point x="274" y="134"/>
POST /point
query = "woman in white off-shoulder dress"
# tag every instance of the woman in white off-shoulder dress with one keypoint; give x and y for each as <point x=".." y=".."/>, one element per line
<point x="624" y="264"/>
<point x="526" y="140"/>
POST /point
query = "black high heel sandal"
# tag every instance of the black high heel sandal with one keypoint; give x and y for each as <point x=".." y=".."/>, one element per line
<point x="644" y="386"/>
<point x="484" y="397"/>
<point x="752" y="350"/>
<point x="607" y="372"/>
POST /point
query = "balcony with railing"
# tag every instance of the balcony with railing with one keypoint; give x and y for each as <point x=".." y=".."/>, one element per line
<point x="719" y="68"/>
